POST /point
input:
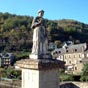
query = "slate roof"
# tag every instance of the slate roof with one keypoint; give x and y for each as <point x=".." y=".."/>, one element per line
<point x="76" y="48"/>
<point x="5" y="55"/>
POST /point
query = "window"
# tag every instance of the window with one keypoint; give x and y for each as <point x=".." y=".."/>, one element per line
<point x="53" y="53"/>
<point x="69" y="62"/>
<point x="75" y="68"/>
<point x="66" y="51"/>
<point x="75" y="50"/>
<point x="80" y="61"/>
<point x="56" y="52"/>
<point x="66" y="47"/>
<point x="59" y="51"/>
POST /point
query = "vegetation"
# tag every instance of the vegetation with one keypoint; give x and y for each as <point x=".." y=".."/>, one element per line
<point x="21" y="55"/>
<point x="66" y="77"/>
<point x="10" y="73"/>
<point x="16" y="33"/>
<point x="70" y="77"/>
<point x="84" y="74"/>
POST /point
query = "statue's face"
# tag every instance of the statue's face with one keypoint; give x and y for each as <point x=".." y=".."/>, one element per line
<point x="40" y="14"/>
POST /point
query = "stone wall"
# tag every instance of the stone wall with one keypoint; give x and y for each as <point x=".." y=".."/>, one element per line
<point x="74" y="85"/>
<point x="10" y="84"/>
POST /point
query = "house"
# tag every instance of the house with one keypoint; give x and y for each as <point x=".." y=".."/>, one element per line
<point x="85" y="59"/>
<point x="73" y="55"/>
<point x="52" y="46"/>
<point x="6" y="59"/>
<point x="67" y="43"/>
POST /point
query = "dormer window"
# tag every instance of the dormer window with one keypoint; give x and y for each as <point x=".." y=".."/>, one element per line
<point x="66" y="47"/>
<point x="56" y="52"/>
<point x="59" y="51"/>
<point x="75" y="50"/>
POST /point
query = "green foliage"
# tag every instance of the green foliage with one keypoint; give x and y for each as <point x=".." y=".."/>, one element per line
<point x="2" y="72"/>
<point x="11" y="73"/>
<point x="66" y="77"/>
<point x="21" y="55"/>
<point x="84" y="74"/>
<point x="16" y="33"/>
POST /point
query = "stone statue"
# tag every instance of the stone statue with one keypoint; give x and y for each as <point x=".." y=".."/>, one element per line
<point x="40" y="41"/>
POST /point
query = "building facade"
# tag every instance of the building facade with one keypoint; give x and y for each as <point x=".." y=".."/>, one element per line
<point x="6" y="59"/>
<point x="72" y="55"/>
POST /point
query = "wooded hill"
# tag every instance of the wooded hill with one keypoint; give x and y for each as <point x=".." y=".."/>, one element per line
<point x="16" y="32"/>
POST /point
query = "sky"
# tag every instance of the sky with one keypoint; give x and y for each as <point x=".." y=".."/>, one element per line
<point x="54" y="9"/>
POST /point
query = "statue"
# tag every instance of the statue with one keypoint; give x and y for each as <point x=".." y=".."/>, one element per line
<point x="40" y="40"/>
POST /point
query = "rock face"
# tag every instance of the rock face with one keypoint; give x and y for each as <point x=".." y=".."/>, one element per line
<point x="74" y="85"/>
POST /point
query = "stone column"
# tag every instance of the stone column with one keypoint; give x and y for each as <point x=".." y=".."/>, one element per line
<point x="39" y="73"/>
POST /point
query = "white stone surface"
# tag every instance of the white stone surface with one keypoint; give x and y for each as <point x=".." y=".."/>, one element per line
<point x="30" y="78"/>
<point x="40" y="40"/>
<point x="40" y="79"/>
<point x="33" y="56"/>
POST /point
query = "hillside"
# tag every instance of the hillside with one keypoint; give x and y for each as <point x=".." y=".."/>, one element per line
<point x="16" y="34"/>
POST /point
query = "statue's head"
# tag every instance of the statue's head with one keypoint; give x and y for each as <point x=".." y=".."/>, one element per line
<point x="41" y="13"/>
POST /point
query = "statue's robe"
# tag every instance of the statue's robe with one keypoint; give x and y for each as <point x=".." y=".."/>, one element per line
<point x="40" y="41"/>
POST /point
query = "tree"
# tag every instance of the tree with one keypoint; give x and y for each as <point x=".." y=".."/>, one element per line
<point x="84" y="74"/>
<point x="18" y="28"/>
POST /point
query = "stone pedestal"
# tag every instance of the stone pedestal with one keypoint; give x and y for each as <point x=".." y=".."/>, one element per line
<point x="43" y="56"/>
<point x="39" y="73"/>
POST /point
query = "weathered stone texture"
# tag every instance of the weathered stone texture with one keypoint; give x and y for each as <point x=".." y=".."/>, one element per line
<point x="39" y="79"/>
<point x="39" y="73"/>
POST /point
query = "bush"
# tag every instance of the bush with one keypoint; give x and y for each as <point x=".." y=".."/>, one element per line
<point x="12" y="73"/>
<point x="84" y="74"/>
<point x="84" y="78"/>
<point x="66" y="77"/>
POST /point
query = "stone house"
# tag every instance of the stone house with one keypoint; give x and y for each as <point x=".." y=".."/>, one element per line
<point x="73" y="55"/>
<point x="6" y="59"/>
<point x="85" y="59"/>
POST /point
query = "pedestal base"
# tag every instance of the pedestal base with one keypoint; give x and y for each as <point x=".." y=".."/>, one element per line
<point x="39" y="73"/>
<point x="40" y="79"/>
